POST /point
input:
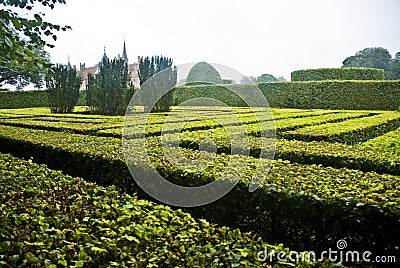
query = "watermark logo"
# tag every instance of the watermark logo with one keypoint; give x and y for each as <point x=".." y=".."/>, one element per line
<point x="339" y="255"/>
<point x="211" y="115"/>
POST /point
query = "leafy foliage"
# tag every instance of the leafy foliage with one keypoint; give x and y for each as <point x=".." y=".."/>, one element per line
<point x="107" y="91"/>
<point x="21" y="74"/>
<point x="296" y="200"/>
<point x="50" y="219"/>
<point x="338" y="74"/>
<point x="63" y="86"/>
<point x="23" y="33"/>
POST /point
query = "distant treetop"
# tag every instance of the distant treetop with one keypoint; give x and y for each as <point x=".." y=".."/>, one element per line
<point x="203" y="72"/>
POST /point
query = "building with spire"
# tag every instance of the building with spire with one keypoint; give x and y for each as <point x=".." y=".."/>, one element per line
<point x="133" y="68"/>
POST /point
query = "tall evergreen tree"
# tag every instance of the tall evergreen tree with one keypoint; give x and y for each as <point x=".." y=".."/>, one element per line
<point x="107" y="91"/>
<point x="63" y="85"/>
<point x="151" y="90"/>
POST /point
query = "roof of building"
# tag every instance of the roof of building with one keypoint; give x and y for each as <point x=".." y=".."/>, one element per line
<point x="89" y="70"/>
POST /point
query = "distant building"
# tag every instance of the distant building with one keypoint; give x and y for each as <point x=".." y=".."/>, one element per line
<point x="132" y="68"/>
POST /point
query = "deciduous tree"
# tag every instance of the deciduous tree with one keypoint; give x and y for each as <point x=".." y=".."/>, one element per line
<point x="373" y="57"/>
<point x="23" y="35"/>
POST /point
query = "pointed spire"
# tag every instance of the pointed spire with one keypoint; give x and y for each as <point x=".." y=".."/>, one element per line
<point x="69" y="67"/>
<point x="105" y="54"/>
<point x="124" y="55"/>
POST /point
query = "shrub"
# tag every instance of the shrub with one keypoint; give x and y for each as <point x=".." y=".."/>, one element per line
<point x="338" y="74"/>
<point x="63" y="85"/>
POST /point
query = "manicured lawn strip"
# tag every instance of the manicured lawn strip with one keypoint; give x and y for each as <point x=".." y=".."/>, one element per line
<point x="302" y="205"/>
<point x="352" y="131"/>
<point x="49" y="219"/>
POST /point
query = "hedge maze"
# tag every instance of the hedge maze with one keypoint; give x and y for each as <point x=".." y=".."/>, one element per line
<point x="336" y="175"/>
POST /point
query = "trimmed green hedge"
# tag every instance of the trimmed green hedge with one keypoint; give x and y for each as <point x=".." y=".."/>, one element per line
<point x="352" y="131"/>
<point x="348" y="95"/>
<point x="49" y="219"/>
<point x="23" y="99"/>
<point x="30" y="98"/>
<point x="306" y="206"/>
<point x="338" y="74"/>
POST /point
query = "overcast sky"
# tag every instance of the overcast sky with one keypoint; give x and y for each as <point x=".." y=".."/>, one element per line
<point x="252" y="37"/>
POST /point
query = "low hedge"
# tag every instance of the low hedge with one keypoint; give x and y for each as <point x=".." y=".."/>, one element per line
<point x="348" y="95"/>
<point x="390" y="143"/>
<point x="23" y="99"/>
<point x="304" y="206"/>
<point x="49" y="219"/>
<point x="338" y="74"/>
<point x="353" y="131"/>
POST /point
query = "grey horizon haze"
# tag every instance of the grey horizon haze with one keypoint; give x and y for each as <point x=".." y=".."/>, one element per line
<point x="254" y="37"/>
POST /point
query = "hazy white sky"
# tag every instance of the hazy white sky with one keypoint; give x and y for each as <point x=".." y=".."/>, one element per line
<point x="252" y="37"/>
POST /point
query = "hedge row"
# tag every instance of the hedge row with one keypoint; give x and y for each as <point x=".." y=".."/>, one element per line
<point x="348" y="95"/>
<point x="390" y="143"/>
<point x="336" y="155"/>
<point x="30" y="98"/>
<point x="23" y="99"/>
<point x="365" y="158"/>
<point x="112" y="127"/>
<point x="352" y="131"/>
<point x="355" y="95"/>
<point x="338" y="74"/>
<point x="304" y="206"/>
<point x="49" y="219"/>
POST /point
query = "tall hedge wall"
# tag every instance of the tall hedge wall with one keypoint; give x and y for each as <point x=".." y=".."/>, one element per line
<point x="23" y="99"/>
<point x="338" y="74"/>
<point x="358" y="95"/>
<point x="31" y="98"/>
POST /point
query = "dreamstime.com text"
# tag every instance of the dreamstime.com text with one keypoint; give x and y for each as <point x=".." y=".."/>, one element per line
<point x="339" y="255"/>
